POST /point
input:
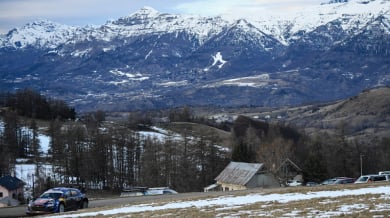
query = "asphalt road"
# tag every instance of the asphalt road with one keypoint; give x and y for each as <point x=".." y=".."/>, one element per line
<point x="19" y="211"/>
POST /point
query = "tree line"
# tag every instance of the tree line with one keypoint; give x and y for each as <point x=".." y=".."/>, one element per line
<point x="30" y="103"/>
<point x="112" y="155"/>
<point x="320" y="156"/>
<point x="96" y="154"/>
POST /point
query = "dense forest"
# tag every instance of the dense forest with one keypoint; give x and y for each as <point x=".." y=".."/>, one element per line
<point x="96" y="153"/>
<point x="31" y="104"/>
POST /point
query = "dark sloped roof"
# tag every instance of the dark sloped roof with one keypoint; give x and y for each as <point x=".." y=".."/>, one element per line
<point x="10" y="182"/>
<point x="288" y="161"/>
<point x="238" y="173"/>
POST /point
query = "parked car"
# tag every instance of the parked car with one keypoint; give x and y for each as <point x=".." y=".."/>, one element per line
<point x="371" y="178"/>
<point x="344" y="181"/>
<point x="160" y="191"/>
<point x="327" y="182"/>
<point x="330" y="181"/>
<point x="384" y="173"/>
<point x="57" y="200"/>
<point x="311" y="184"/>
<point x="133" y="191"/>
<point x="338" y="180"/>
<point x="294" y="183"/>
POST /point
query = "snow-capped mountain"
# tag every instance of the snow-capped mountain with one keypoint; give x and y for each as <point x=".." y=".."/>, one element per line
<point x="151" y="59"/>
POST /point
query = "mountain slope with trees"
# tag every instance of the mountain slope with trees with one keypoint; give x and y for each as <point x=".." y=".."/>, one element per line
<point x="185" y="151"/>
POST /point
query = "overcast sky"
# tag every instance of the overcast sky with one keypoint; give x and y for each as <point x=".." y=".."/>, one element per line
<point x="16" y="13"/>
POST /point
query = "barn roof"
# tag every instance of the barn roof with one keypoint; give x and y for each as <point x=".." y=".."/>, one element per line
<point x="238" y="173"/>
<point x="291" y="163"/>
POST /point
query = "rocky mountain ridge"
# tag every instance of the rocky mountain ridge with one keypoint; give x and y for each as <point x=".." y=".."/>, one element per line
<point x="150" y="60"/>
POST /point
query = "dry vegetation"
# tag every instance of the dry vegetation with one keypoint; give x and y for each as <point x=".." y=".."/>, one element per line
<point x="367" y="205"/>
<point x="200" y="130"/>
<point x="365" y="115"/>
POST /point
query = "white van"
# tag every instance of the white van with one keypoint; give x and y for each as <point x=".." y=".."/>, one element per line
<point x="384" y="173"/>
<point x="371" y="178"/>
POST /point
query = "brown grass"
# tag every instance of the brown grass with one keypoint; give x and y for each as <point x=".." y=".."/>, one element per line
<point x="367" y="205"/>
<point x="194" y="129"/>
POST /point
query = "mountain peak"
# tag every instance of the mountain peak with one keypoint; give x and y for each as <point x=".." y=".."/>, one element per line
<point x="47" y="25"/>
<point x="39" y="33"/>
<point x="243" y="23"/>
<point x="143" y="15"/>
<point x="146" y="11"/>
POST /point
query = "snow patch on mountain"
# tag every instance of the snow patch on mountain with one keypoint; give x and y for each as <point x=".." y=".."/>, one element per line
<point x="107" y="49"/>
<point x="130" y="76"/>
<point x="81" y="53"/>
<point x="217" y="61"/>
<point x="257" y="81"/>
<point x="149" y="53"/>
<point x="174" y="83"/>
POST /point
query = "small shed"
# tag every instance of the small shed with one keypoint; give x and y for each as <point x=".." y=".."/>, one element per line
<point x="288" y="170"/>
<point x="11" y="188"/>
<point x="241" y="176"/>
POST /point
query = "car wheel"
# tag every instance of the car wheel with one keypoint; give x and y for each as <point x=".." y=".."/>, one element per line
<point x="84" y="204"/>
<point x="61" y="208"/>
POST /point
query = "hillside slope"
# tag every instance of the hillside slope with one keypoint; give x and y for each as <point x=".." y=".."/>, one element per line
<point x="364" y="116"/>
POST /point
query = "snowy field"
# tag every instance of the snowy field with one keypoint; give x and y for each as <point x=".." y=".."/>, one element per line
<point x="25" y="172"/>
<point x="356" y="201"/>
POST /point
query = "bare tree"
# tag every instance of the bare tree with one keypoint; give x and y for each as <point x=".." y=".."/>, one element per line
<point x="273" y="153"/>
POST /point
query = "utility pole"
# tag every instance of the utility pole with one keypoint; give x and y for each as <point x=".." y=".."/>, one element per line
<point x="33" y="191"/>
<point x="361" y="164"/>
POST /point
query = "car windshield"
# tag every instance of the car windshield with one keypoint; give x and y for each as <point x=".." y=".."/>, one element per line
<point x="54" y="195"/>
<point x="363" y="178"/>
<point x="329" y="181"/>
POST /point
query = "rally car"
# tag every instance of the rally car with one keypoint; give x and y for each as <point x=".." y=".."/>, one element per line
<point x="57" y="200"/>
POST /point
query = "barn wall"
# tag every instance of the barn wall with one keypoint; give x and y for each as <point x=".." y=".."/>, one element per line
<point x="231" y="187"/>
<point x="263" y="180"/>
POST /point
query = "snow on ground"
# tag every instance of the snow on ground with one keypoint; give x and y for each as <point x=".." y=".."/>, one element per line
<point x="230" y="201"/>
<point x="44" y="141"/>
<point x="160" y="134"/>
<point x="26" y="172"/>
<point x="153" y="135"/>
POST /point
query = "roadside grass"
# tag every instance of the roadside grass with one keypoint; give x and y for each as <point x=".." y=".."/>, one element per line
<point x="346" y="206"/>
<point x="365" y="205"/>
